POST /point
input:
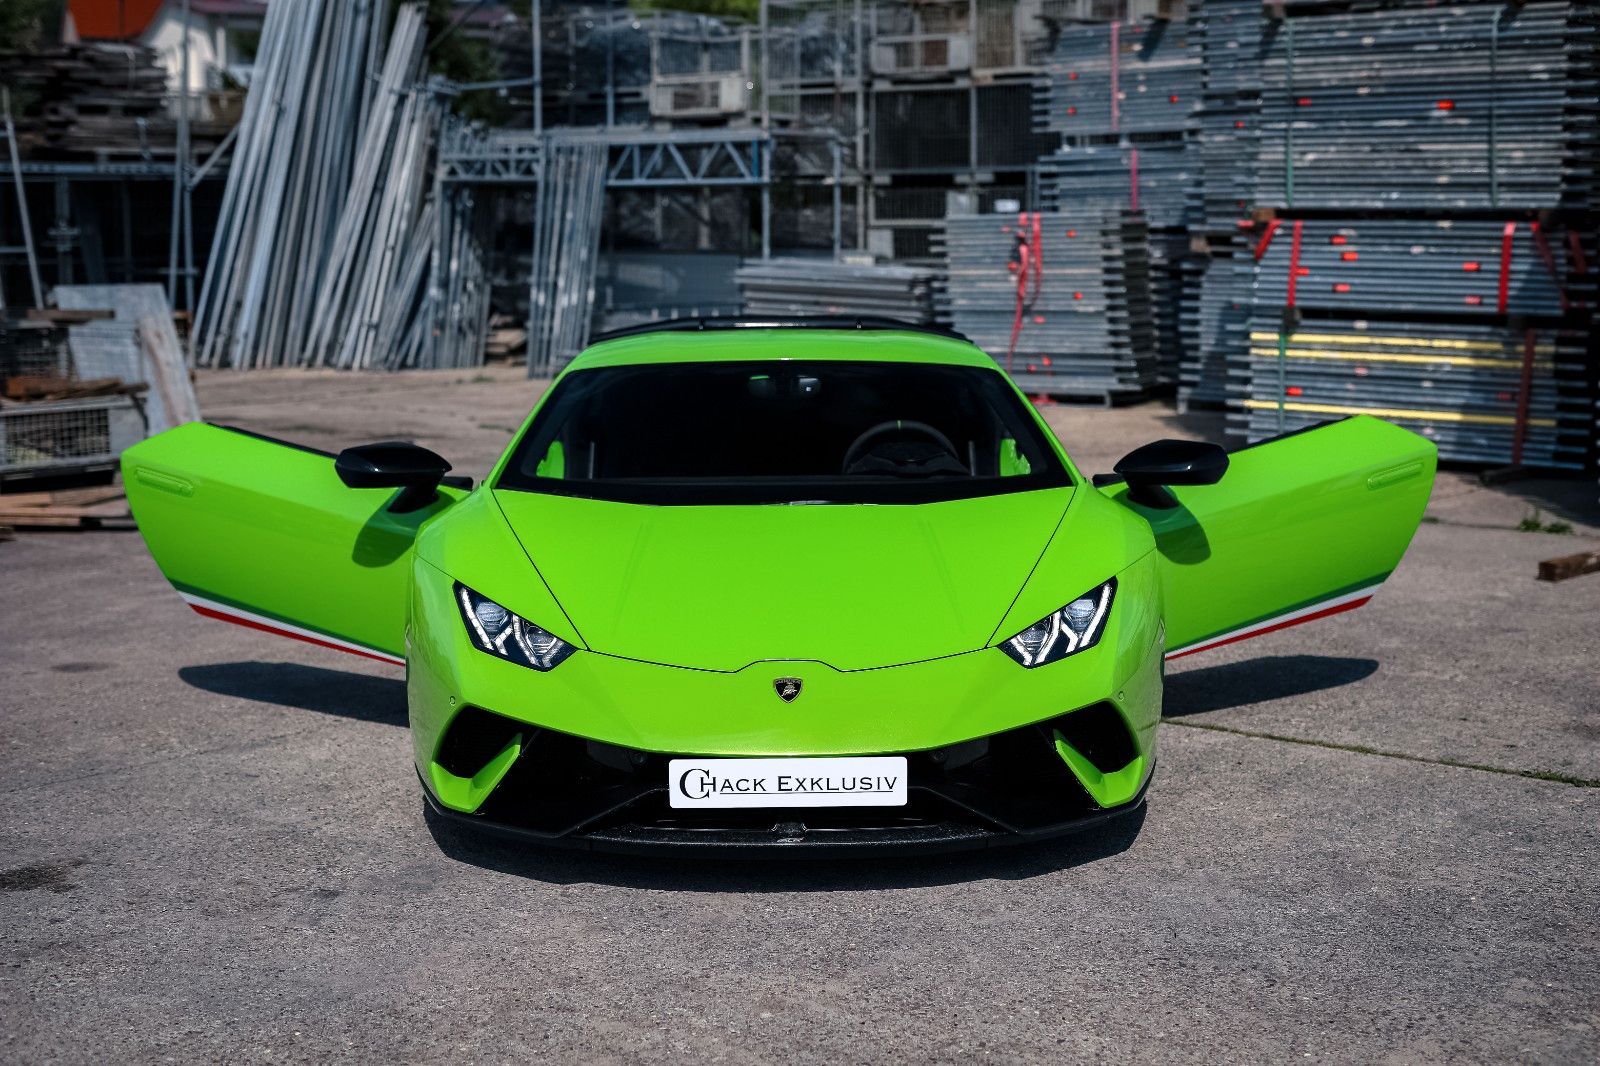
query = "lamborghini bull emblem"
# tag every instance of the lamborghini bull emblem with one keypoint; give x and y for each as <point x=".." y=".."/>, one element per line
<point x="787" y="688"/>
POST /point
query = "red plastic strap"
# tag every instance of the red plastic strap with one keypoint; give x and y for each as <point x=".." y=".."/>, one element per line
<point x="1575" y="244"/>
<point x="1542" y="243"/>
<point x="1266" y="238"/>
<point x="1294" y="259"/>
<point x="1133" y="179"/>
<point x="1038" y="257"/>
<point x="1025" y="261"/>
<point x="1505" y="266"/>
<point x="1521" y="431"/>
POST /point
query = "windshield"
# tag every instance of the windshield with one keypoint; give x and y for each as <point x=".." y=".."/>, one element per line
<point x="783" y="432"/>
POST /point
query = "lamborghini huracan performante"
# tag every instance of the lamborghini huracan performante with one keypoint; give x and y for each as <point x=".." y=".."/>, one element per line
<point x="805" y="586"/>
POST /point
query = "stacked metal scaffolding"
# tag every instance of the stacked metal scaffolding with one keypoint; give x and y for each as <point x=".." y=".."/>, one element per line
<point x="381" y="246"/>
<point x="1122" y="78"/>
<point x="830" y="287"/>
<point x="1459" y="384"/>
<point x="567" y="217"/>
<point x="1431" y="256"/>
<point x="318" y="74"/>
<point x="1124" y="95"/>
<point x="1216" y="303"/>
<point x="1070" y="315"/>
<point x="1475" y="106"/>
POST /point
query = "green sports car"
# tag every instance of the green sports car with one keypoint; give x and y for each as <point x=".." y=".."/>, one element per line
<point x="813" y="586"/>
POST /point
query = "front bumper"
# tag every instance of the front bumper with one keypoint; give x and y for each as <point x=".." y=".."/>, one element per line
<point x="790" y="838"/>
<point x="578" y="756"/>
<point x="1042" y="780"/>
<point x="1012" y="788"/>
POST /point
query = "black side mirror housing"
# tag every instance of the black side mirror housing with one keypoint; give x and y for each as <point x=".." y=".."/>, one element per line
<point x="394" y="464"/>
<point x="1149" y="469"/>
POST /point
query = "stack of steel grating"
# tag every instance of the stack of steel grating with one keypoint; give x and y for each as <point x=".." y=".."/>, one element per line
<point x="1475" y="105"/>
<point x="1432" y="324"/>
<point x="1469" y="267"/>
<point x="1154" y="178"/>
<point x="1121" y="78"/>
<point x="1431" y="259"/>
<point x="1124" y="98"/>
<point x="1229" y="34"/>
<point x="831" y="287"/>
<point x="1170" y="271"/>
<point x="1084" y="329"/>
<point x="1457" y="383"/>
<point x="1216" y="324"/>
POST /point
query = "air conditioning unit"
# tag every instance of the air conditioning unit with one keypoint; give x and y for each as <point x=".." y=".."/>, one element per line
<point x="930" y="54"/>
<point x="699" y="96"/>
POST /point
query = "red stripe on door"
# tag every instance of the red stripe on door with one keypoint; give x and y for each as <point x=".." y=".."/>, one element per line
<point x="263" y="627"/>
<point x="1337" y="609"/>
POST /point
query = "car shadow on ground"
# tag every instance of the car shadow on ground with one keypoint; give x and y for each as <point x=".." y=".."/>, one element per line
<point x="367" y="698"/>
<point x="342" y="693"/>
<point x="1271" y="677"/>
<point x="797" y="874"/>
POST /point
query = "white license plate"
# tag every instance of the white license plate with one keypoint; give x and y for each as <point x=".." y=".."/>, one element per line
<point x="857" y="781"/>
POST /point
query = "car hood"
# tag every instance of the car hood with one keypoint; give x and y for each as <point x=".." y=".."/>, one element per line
<point x="719" y="588"/>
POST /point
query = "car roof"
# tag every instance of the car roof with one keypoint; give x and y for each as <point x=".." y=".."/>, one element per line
<point x="740" y="340"/>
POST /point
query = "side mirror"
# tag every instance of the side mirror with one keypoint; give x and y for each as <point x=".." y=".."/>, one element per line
<point x="394" y="464"/>
<point x="1148" y="470"/>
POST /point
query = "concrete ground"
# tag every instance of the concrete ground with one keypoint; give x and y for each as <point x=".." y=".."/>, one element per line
<point x="1373" y="838"/>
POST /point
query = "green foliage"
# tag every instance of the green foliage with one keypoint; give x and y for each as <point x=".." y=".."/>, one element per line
<point x="749" y="10"/>
<point x="1535" y="523"/>
<point x="27" y="23"/>
<point x="455" y="54"/>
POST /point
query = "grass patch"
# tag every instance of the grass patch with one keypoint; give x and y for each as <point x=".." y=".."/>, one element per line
<point x="1534" y="522"/>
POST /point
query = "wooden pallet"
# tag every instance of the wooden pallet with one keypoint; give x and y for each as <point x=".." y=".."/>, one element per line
<point x="94" y="508"/>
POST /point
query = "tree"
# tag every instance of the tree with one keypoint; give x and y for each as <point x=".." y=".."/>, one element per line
<point x="27" y="23"/>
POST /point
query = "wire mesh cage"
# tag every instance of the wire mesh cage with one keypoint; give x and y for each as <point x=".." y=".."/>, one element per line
<point x="50" y="437"/>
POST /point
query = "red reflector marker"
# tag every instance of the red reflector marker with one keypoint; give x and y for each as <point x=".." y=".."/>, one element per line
<point x="1304" y="101"/>
<point x="1474" y="301"/>
<point x="1294" y="390"/>
<point x="1238" y="123"/>
<point x="1172" y="99"/>
<point x="1350" y="257"/>
<point x="1072" y="111"/>
<point x="1446" y="105"/>
<point x="1077" y="296"/>
<point x="1073" y="76"/>
<point x="1471" y="267"/>
<point x="1341" y="286"/>
<point x="1046" y="360"/>
<point x="1301" y="272"/>
<point x="1338" y="238"/>
<point x="1038" y="320"/>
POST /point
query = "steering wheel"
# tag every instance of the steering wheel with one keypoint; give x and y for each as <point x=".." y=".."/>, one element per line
<point x="859" y="445"/>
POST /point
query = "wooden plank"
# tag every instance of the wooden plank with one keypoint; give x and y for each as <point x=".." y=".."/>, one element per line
<point x="42" y="518"/>
<point x="68" y="317"/>
<point x="85" y="497"/>
<point x="1568" y="566"/>
<point x="12" y="500"/>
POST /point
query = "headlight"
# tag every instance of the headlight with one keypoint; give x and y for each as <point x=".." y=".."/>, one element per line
<point x="1066" y="632"/>
<point x="505" y="636"/>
